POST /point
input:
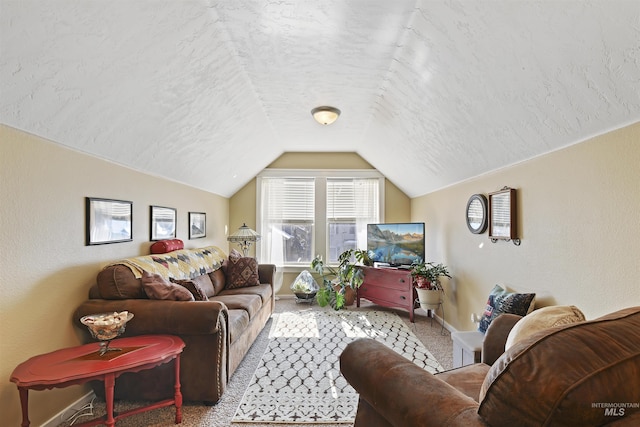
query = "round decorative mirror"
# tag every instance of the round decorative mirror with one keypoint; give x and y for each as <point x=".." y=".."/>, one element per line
<point x="476" y="215"/>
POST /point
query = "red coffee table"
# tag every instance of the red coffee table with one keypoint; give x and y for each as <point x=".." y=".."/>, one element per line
<point x="77" y="365"/>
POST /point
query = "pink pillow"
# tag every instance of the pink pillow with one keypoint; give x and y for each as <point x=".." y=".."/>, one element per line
<point x="157" y="287"/>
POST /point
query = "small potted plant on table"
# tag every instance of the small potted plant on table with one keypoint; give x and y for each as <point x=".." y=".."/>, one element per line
<point x="426" y="279"/>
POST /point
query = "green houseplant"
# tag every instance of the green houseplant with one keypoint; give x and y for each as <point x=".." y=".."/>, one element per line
<point x="338" y="282"/>
<point x="426" y="275"/>
<point x="426" y="279"/>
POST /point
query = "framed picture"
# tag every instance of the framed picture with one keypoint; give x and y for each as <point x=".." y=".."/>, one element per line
<point x="197" y="225"/>
<point x="108" y="221"/>
<point x="502" y="214"/>
<point x="163" y="223"/>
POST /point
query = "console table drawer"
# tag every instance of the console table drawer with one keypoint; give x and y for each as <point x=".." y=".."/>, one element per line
<point x="394" y="296"/>
<point x="388" y="278"/>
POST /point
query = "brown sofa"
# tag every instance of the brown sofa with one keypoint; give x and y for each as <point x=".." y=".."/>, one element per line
<point x="217" y="332"/>
<point x="584" y="374"/>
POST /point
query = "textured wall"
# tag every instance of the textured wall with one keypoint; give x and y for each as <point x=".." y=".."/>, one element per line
<point x="578" y="214"/>
<point x="45" y="268"/>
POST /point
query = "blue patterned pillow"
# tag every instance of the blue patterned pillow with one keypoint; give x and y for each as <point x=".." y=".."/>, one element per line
<point x="501" y="301"/>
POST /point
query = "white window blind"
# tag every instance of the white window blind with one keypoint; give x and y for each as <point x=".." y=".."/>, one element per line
<point x="352" y="199"/>
<point x="289" y="198"/>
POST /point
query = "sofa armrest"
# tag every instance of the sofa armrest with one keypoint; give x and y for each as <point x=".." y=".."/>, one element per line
<point x="160" y="316"/>
<point x="267" y="273"/>
<point x="496" y="337"/>
<point x="401" y="393"/>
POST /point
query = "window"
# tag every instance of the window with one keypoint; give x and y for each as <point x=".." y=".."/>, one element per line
<point x="351" y="204"/>
<point x="309" y="212"/>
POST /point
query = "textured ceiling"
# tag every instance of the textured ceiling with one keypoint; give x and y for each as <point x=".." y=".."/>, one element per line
<point x="208" y="93"/>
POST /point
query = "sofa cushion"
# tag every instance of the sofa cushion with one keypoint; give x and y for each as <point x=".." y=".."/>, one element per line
<point x="118" y="282"/>
<point x="218" y="280"/>
<point x="238" y="323"/>
<point x="502" y="301"/>
<point x="467" y="379"/>
<point x="241" y="272"/>
<point x="249" y="303"/>
<point x="157" y="287"/>
<point x="192" y="285"/>
<point x="569" y="369"/>
<point x="543" y="318"/>
<point x="264" y="291"/>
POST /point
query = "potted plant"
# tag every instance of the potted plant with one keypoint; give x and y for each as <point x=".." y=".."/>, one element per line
<point x="339" y="283"/>
<point x="426" y="279"/>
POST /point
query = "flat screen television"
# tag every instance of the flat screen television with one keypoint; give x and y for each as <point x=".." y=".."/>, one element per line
<point x="396" y="244"/>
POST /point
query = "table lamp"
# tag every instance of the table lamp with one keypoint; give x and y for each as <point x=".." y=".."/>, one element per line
<point x="244" y="237"/>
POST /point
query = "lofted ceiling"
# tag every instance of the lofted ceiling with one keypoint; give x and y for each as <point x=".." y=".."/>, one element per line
<point x="209" y="92"/>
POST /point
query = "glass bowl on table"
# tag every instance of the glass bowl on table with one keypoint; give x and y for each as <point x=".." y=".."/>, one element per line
<point x="106" y="327"/>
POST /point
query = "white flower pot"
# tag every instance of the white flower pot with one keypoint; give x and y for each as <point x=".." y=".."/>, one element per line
<point x="429" y="298"/>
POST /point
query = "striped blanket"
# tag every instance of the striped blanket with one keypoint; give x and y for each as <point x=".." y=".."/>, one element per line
<point x="181" y="264"/>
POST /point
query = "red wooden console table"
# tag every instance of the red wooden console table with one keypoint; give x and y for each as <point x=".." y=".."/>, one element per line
<point x="77" y="365"/>
<point x="388" y="287"/>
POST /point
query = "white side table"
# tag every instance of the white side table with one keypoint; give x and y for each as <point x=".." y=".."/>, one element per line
<point x="467" y="347"/>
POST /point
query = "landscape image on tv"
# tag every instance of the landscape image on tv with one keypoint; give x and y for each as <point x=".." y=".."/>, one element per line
<point x="396" y="244"/>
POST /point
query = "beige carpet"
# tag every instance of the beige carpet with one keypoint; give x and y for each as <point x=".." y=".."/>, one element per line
<point x="430" y="332"/>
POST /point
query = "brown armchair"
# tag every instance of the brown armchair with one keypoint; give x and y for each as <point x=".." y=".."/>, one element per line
<point x="579" y="374"/>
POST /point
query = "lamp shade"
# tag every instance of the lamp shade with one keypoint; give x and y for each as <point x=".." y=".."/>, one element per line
<point x="244" y="237"/>
<point x="325" y="115"/>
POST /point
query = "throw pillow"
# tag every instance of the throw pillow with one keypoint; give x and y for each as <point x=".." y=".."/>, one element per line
<point x="218" y="279"/>
<point x="196" y="290"/>
<point x="165" y="246"/>
<point x="543" y="318"/>
<point x="157" y="287"/>
<point x="234" y="255"/>
<point x="501" y="301"/>
<point x="241" y="271"/>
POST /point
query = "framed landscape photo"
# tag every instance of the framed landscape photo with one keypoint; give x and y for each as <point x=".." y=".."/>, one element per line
<point x="197" y="225"/>
<point x="108" y="221"/>
<point x="163" y="223"/>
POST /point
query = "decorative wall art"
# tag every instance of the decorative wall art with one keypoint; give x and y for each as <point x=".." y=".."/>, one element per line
<point x="163" y="223"/>
<point x="502" y="215"/>
<point x="197" y="225"/>
<point x="108" y="221"/>
<point x="476" y="214"/>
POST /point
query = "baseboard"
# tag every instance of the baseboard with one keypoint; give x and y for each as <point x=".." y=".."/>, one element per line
<point x="70" y="410"/>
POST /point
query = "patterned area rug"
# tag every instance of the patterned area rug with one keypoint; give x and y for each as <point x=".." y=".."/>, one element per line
<point x="298" y="379"/>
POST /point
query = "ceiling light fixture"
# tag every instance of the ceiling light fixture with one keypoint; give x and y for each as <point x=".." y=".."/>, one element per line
<point x="325" y="115"/>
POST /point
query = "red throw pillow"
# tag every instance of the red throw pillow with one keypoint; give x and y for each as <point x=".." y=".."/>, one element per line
<point x="164" y="246"/>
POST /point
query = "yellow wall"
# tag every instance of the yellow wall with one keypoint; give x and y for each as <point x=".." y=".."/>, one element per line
<point x="46" y="270"/>
<point x="579" y="224"/>
<point x="243" y="204"/>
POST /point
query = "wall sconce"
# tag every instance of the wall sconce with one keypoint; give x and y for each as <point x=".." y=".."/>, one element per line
<point x="325" y="115"/>
<point x="244" y="237"/>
